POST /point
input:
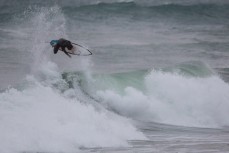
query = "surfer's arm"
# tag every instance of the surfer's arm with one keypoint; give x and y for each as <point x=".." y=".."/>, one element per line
<point x="56" y="48"/>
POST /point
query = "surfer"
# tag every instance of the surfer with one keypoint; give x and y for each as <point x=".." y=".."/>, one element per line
<point x="61" y="44"/>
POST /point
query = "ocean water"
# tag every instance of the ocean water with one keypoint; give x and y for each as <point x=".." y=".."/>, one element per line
<point x="158" y="79"/>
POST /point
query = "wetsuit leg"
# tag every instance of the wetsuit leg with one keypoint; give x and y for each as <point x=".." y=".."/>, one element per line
<point x="63" y="49"/>
<point x="69" y="45"/>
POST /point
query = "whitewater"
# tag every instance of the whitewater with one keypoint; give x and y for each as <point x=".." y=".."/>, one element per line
<point x="157" y="80"/>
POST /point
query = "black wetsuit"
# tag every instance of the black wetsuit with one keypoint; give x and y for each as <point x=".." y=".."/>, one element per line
<point x="62" y="43"/>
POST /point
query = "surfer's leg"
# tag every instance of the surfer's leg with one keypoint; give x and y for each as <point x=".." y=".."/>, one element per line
<point x="69" y="45"/>
<point x="63" y="49"/>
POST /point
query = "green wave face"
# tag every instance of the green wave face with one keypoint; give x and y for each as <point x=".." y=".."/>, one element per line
<point x="184" y="94"/>
<point x="136" y="79"/>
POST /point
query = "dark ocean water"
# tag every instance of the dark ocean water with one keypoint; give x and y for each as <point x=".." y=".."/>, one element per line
<point x="157" y="80"/>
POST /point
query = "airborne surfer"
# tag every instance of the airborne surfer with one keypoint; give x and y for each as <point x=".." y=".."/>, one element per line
<point x="61" y="44"/>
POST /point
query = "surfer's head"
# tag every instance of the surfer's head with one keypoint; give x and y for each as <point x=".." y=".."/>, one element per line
<point x="53" y="42"/>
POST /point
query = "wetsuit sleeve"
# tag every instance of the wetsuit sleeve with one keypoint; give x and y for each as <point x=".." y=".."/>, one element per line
<point x="56" y="48"/>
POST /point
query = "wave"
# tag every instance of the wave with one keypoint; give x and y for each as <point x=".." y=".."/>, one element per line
<point x="119" y="81"/>
<point x="45" y="105"/>
<point x="133" y="12"/>
<point x="43" y="111"/>
<point x="187" y="94"/>
<point x="117" y="5"/>
<point x="124" y="7"/>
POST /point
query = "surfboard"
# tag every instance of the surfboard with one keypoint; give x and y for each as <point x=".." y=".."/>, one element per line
<point x="78" y="50"/>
